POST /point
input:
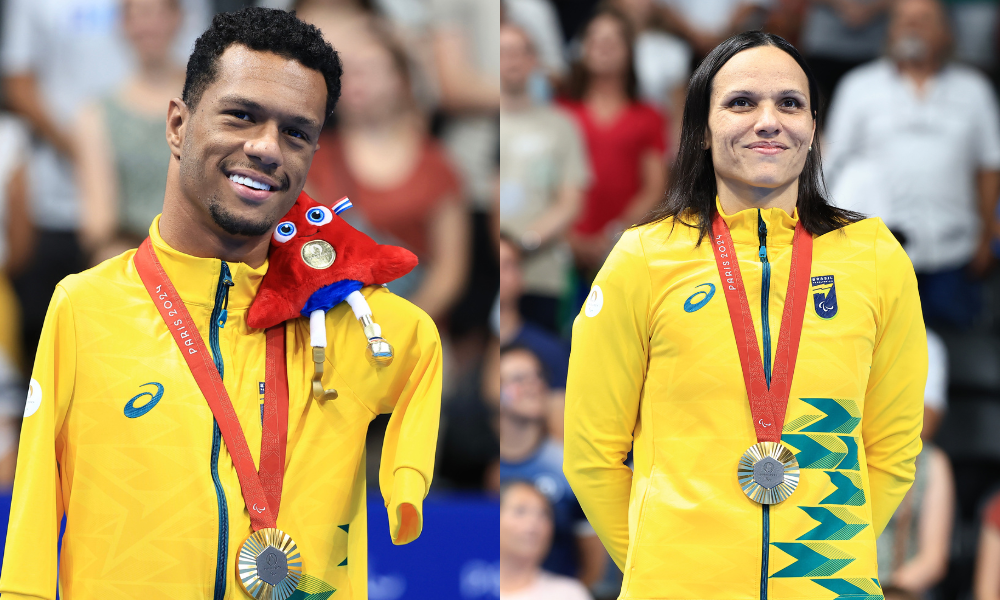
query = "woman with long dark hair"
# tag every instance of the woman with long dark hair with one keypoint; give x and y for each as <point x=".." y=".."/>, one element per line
<point x="760" y="351"/>
<point x="624" y="137"/>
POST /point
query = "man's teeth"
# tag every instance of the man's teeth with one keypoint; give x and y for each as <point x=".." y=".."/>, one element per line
<point x="250" y="182"/>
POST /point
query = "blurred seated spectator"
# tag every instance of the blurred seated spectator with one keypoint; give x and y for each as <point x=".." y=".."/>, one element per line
<point x="705" y="23"/>
<point x="986" y="582"/>
<point x="624" y="138"/>
<point x="15" y="244"/>
<point x="840" y="35"/>
<point x="464" y="39"/>
<point x="122" y="154"/>
<point x="662" y="63"/>
<point x="543" y="171"/>
<point x="16" y="233"/>
<point x="914" y="138"/>
<point x="344" y="23"/>
<point x="528" y="453"/>
<point x="513" y="330"/>
<point x="399" y="179"/>
<point x="897" y="593"/>
<point x="58" y="55"/>
<point x="526" y="524"/>
<point x="538" y="19"/>
<point x="914" y="548"/>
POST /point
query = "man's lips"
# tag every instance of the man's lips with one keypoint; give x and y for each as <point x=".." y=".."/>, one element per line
<point x="251" y="185"/>
<point x="767" y="148"/>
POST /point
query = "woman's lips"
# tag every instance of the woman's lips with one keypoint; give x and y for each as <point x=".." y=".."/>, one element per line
<point x="767" y="149"/>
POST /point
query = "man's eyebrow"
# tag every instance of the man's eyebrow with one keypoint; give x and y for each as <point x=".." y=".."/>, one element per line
<point x="244" y="102"/>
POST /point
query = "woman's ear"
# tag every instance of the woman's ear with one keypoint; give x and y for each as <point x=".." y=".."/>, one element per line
<point x="707" y="142"/>
<point x="177" y="119"/>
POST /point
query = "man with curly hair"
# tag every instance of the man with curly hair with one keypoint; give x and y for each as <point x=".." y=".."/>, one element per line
<point x="163" y="491"/>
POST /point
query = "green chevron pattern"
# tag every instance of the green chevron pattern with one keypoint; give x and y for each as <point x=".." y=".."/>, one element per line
<point x="852" y="589"/>
<point x="796" y="424"/>
<point x="834" y="524"/>
<point x="812" y="560"/>
<point x="312" y="588"/>
<point x="816" y="451"/>
<point x="850" y="462"/>
<point x="842" y="415"/>
<point x="849" y="489"/>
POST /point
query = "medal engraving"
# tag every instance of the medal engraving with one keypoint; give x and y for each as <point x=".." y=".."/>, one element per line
<point x="318" y="254"/>
<point x="272" y="565"/>
<point x="768" y="472"/>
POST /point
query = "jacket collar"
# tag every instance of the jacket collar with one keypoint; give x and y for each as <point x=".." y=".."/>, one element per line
<point x="743" y="225"/>
<point x="196" y="279"/>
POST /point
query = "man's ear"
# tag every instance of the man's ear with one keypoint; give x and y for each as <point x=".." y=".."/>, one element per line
<point x="177" y="120"/>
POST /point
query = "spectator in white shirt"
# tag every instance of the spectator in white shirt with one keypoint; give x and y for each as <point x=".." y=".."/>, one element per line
<point x="705" y="23"/>
<point x="525" y="535"/>
<point x="915" y="139"/>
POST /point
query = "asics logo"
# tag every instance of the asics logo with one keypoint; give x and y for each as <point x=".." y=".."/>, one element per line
<point x="132" y="411"/>
<point x="699" y="298"/>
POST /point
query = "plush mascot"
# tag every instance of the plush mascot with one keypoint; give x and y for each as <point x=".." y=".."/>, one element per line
<point x="316" y="261"/>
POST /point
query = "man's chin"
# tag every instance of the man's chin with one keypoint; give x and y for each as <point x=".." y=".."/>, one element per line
<point x="238" y="225"/>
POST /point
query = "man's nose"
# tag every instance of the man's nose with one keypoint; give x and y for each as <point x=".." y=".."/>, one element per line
<point x="264" y="146"/>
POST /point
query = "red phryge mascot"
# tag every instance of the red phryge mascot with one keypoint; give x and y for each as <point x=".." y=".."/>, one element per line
<point x="316" y="261"/>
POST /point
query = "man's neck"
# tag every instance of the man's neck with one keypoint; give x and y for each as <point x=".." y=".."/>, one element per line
<point x="919" y="72"/>
<point x="519" y="438"/>
<point x="187" y="233"/>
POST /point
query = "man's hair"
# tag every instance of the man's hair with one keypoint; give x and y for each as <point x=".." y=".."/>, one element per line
<point x="263" y="30"/>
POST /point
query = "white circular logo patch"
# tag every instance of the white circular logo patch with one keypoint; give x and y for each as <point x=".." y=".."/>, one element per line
<point x="34" y="398"/>
<point x="594" y="302"/>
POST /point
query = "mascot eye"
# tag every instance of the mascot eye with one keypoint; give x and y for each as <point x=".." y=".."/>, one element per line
<point x="284" y="232"/>
<point x="319" y="215"/>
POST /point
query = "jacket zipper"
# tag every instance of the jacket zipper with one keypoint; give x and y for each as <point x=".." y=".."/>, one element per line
<point x="220" y="313"/>
<point x="765" y="288"/>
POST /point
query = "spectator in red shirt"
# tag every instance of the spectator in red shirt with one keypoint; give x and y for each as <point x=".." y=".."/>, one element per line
<point x="399" y="179"/>
<point x="624" y="137"/>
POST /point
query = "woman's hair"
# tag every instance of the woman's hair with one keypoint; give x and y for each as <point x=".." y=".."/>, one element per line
<point x="690" y="197"/>
<point x="579" y="76"/>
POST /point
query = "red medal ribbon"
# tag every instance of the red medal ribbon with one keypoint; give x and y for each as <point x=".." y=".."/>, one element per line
<point x="261" y="491"/>
<point x="766" y="405"/>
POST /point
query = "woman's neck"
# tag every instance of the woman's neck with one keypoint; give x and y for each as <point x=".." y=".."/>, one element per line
<point x="606" y="88"/>
<point x="735" y="196"/>
<point x="517" y="573"/>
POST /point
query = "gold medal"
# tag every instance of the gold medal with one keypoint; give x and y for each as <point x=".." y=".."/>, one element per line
<point x="269" y="565"/>
<point x="318" y="254"/>
<point x="768" y="473"/>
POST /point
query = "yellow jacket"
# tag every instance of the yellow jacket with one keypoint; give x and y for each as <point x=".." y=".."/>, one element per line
<point x="654" y="363"/>
<point x="151" y="497"/>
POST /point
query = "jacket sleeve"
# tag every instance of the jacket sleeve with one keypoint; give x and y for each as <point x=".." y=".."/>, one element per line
<point x="409" y="388"/>
<point x="30" y="557"/>
<point x="894" y="400"/>
<point x="607" y="368"/>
